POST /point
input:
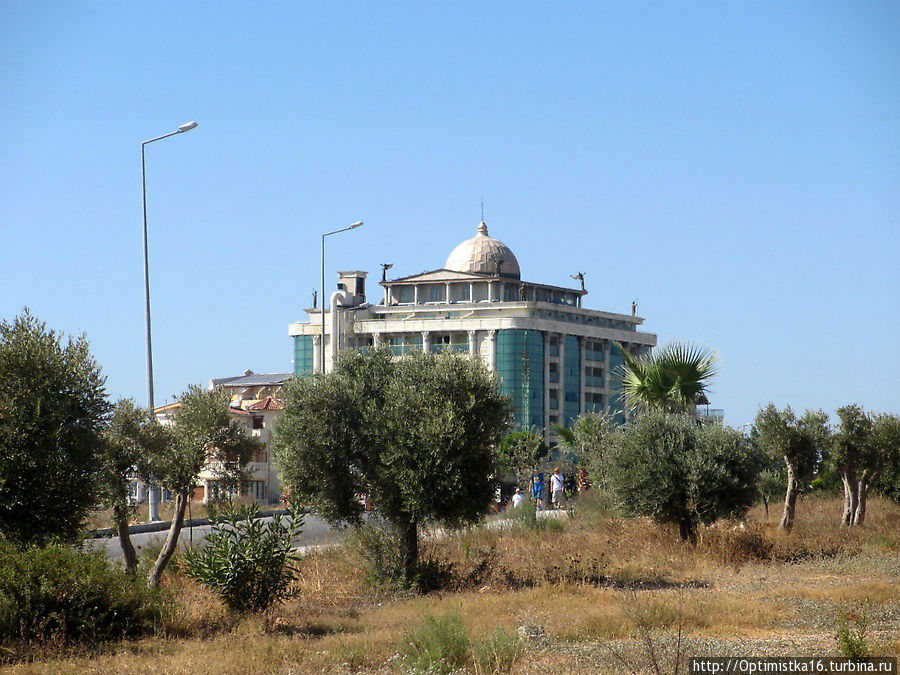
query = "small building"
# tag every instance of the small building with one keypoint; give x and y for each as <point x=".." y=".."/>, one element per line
<point x="255" y="404"/>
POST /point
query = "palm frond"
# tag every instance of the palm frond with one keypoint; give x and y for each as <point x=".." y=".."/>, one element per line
<point x="670" y="377"/>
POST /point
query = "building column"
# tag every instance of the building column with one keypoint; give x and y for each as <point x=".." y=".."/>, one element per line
<point x="447" y="292"/>
<point x="583" y="379"/>
<point x="471" y="292"/>
<point x="377" y="340"/>
<point x="473" y="342"/>
<point x="206" y="492"/>
<point x="416" y="294"/>
<point x="317" y="353"/>
<point x="426" y="341"/>
<point x="490" y="291"/>
<point x="492" y="350"/>
<point x="561" y="399"/>
<point x="547" y="429"/>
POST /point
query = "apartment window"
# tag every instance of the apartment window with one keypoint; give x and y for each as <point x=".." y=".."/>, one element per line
<point x="257" y="422"/>
<point x="554" y="372"/>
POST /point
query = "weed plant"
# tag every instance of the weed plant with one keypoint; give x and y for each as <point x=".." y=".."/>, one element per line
<point x="379" y="544"/>
<point x="852" y="626"/>
<point x="442" y="644"/>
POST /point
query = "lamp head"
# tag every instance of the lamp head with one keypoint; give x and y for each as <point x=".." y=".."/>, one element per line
<point x="358" y="223"/>
<point x="187" y="126"/>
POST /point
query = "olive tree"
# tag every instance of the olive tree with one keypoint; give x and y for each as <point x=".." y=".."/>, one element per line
<point x="131" y="439"/>
<point x="588" y="438"/>
<point x="416" y="436"/>
<point x="202" y="437"/>
<point x="800" y="443"/>
<point x="666" y="467"/>
<point x="864" y="448"/>
<point x="519" y="453"/>
<point x="52" y="408"/>
<point x="886" y="436"/>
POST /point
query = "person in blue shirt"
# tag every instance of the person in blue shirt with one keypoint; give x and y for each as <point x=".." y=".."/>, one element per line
<point x="537" y="488"/>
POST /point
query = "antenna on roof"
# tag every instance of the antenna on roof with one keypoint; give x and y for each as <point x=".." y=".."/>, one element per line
<point x="482" y="209"/>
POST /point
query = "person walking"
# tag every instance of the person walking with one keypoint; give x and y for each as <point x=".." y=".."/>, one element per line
<point x="518" y="498"/>
<point x="557" y="486"/>
<point x="537" y="489"/>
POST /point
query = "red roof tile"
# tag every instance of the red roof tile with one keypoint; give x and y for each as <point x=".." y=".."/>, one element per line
<point x="268" y="403"/>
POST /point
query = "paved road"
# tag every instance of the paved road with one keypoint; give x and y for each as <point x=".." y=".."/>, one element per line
<point x="315" y="533"/>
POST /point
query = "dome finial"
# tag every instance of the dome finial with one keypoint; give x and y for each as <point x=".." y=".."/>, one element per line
<point x="482" y="228"/>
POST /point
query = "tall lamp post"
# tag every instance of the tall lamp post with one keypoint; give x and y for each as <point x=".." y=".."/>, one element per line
<point x="153" y="502"/>
<point x="358" y="223"/>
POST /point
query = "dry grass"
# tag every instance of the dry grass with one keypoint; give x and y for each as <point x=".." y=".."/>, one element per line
<point x="585" y="588"/>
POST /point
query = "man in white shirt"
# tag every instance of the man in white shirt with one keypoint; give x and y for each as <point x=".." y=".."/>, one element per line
<point x="518" y="498"/>
<point x="556" y="488"/>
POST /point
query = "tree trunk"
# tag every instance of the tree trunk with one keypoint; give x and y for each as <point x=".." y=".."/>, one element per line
<point x="171" y="544"/>
<point x="766" y="505"/>
<point x="846" y="514"/>
<point x="121" y="517"/>
<point x="411" y="549"/>
<point x="687" y="528"/>
<point x="862" y="486"/>
<point x="790" y="498"/>
<point x="851" y="497"/>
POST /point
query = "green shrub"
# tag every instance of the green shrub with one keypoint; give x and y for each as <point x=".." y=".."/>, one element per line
<point x="245" y="561"/>
<point x="59" y="594"/>
<point x="526" y="517"/>
<point x="381" y="548"/>
<point x="442" y="644"/>
<point x="499" y="654"/>
<point x="380" y="544"/>
<point x="851" y="633"/>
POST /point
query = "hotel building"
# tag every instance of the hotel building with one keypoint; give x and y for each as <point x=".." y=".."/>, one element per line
<point x="554" y="357"/>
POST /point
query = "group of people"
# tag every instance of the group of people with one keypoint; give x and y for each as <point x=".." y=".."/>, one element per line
<point x="537" y="488"/>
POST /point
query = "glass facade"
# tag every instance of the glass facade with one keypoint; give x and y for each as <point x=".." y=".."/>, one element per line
<point x="520" y="366"/>
<point x="405" y="344"/>
<point x="572" y="380"/>
<point x="616" y="405"/>
<point x="593" y="351"/>
<point x="303" y="355"/>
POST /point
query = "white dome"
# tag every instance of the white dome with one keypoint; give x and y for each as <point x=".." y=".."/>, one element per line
<point x="480" y="255"/>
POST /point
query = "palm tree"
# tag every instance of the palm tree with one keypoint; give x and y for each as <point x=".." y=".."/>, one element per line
<point x="673" y="377"/>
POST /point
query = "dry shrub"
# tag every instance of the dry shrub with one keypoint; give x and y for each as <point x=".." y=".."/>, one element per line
<point x="197" y="612"/>
<point x="330" y="577"/>
<point x="735" y="545"/>
<point x="614" y="551"/>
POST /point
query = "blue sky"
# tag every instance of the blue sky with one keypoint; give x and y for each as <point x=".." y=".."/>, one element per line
<point x="734" y="166"/>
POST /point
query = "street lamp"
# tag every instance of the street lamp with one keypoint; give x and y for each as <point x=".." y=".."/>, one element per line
<point x="154" y="512"/>
<point x="358" y="223"/>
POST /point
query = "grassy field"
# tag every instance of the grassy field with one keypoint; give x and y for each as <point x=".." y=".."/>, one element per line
<point x="590" y="593"/>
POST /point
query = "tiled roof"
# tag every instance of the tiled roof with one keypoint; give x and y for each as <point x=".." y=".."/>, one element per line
<point x="239" y="412"/>
<point x="268" y="403"/>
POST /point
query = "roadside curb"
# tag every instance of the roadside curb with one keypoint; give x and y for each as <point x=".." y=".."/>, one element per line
<point x="162" y="525"/>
